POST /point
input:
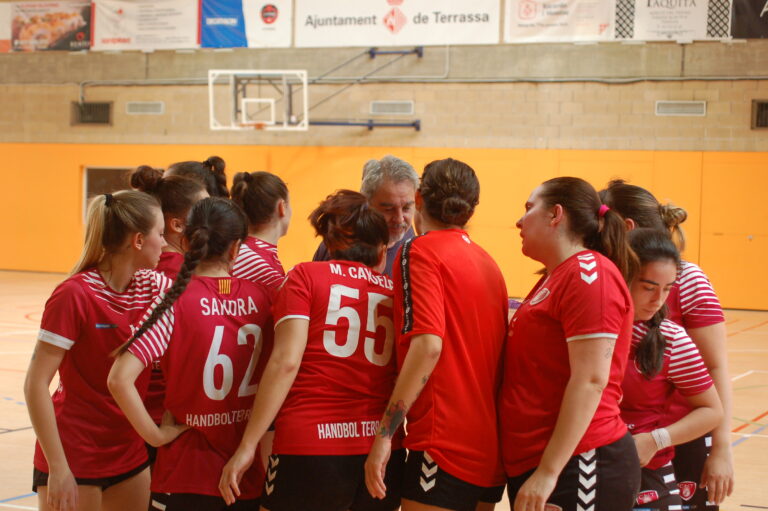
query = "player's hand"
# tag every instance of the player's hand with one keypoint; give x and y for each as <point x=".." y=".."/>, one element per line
<point x="376" y="466"/>
<point x="646" y="447"/>
<point x="169" y="429"/>
<point x="534" y="492"/>
<point x="232" y="473"/>
<point x="62" y="490"/>
<point x="717" y="476"/>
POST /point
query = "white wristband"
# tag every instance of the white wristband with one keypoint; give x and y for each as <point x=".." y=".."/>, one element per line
<point x="661" y="437"/>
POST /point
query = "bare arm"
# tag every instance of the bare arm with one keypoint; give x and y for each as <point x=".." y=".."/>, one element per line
<point x="420" y="361"/>
<point x="122" y="385"/>
<point x="718" y="469"/>
<point x="707" y="412"/>
<point x="276" y="382"/>
<point x="62" y="488"/>
<point x="590" y="362"/>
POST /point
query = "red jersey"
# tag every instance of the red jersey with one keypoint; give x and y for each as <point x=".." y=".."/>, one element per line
<point x="170" y="264"/>
<point x="90" y="320"/>
<point x="347" y="372"/>
<point x="213" y="344"/>
<point x="692" y="303"/>
<point x="257" y="261"/>
<point x="645" y="400"/>
<point x="585" y="297"/>
<point x="446" y="285"/>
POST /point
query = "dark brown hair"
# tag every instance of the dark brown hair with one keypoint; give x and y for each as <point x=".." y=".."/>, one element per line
<point x="450" y="190"/>
<point x="257" y="194"/>
<point x="209" y="172"/>
<point x="213" y="225"/>
<point x="641" y="206"/>
<point x="351" y="230"/>
<point x="176" y="193"/>
<point x="653" y="245"/>
<point x="582" y="207"/>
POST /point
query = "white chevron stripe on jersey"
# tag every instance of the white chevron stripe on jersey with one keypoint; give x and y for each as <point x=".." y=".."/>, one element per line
<point x="587" y="489"/>
<point x="428" y="477"/>
<point x="588" y="278"/>
<point x="269" y="484"/>
<point x="586" y="257"/>
<point x="588" y="266"/>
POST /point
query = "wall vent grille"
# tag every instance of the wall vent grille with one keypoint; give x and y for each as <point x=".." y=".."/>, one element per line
<point x="91" y="113"/>
<point x="759" y="114"/>
<point x="391" y="107"/>
<point x="145" y="107"/>
<point x="682" y="108"/>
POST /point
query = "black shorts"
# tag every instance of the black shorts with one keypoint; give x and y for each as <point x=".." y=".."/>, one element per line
<point x="689" y="464"/>
<point x="658" y="490"/>
<point x="429" y="484"/>
<point x="603" y="479"/>
<point x="190" y="501"/>
<point x="328" y="483"/>
<point x="40" y="478"/>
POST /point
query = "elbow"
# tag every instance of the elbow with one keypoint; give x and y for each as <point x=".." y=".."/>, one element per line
<point x="114" y="385"/>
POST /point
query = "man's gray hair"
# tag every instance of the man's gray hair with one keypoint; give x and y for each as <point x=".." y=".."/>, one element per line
<point x="389" y="167"/>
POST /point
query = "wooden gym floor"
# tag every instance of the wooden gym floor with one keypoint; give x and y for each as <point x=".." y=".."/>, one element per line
<point x="23" y="295"/>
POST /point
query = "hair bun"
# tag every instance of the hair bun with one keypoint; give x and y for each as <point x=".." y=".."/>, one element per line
<point x="456" y="211"/>
<point x="672" y="215"/>
<point x="146" y="178"/>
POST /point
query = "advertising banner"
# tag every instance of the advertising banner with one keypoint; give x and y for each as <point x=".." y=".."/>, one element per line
<point x="670" y="20"/>
<point x="245" y="24"/>
<point x="544" y="21"/>
<point x="750" y="19"/>
<point x="395" y="22"/>
<point x="5" y="28"/>
<point x="145" y="24"/>
<point x="37" y="26"/>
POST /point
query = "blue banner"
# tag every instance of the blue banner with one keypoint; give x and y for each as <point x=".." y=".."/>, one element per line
<point x="222" y="24"/>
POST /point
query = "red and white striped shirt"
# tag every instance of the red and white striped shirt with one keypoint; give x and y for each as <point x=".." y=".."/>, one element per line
<point x="89" y="319"/>
<point x="213" y="344"/>
<point x="645" y="400"/>
<point x="692" y="301"/>
<point x="257" y="261"/>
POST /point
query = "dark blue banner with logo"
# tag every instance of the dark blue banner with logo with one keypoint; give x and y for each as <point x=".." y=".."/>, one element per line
<point x="245" y="23"/>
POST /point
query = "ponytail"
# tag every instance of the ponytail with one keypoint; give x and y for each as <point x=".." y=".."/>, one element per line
<point x="649" y="354"/>
<point x="258" y="193"/>
<point x="600" y="229"/>
<point x="209" y="172"/>
<point x="110" y="219"/>
<point x="214" y="224"/>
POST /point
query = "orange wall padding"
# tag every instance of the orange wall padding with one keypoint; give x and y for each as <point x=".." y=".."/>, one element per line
<point x="43" y="204"/>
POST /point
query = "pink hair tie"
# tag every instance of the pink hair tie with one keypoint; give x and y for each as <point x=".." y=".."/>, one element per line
<point x="603" y="210"/>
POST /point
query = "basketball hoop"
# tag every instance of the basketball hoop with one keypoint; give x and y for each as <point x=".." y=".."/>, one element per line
<point x="254" y="125"/>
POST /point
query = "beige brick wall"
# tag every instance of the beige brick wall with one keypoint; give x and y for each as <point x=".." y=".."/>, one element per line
<point x="488" y="96"/>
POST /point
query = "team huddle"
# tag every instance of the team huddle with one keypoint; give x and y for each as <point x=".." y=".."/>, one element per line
<point x="195" y="374"/>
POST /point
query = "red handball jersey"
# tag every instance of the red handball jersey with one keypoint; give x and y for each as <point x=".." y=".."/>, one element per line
<point x="170" y="264"/>
<point x="213" y="345"/>
<point x="347" y="372"/>
<point x="585" y="297"/>
<point x="258" y="262"/>
<point x="90" y="320"/>
<point x="446" y="285"/>
<point x="692" y="303"/>
<point x="645" y="400"/>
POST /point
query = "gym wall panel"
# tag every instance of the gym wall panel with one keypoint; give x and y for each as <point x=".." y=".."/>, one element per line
<point x="44" y="227"/>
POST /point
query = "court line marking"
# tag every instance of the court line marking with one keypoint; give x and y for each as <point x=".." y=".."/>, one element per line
<point x="14" y="506"/>
<point x="748" y="328"/>
<point x="15" y="430"/>
<point x="747" y="436"/>
<point x="742" y="375"/>
<point x="739" y="428"/>
<point x="19" y="497"/>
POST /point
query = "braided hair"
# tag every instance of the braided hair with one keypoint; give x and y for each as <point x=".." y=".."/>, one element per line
<point x="213" y="225"/>
<point x="652" y="245"/>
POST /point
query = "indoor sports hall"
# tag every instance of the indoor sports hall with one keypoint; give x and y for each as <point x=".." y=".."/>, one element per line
<point x="670" y="95"/>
